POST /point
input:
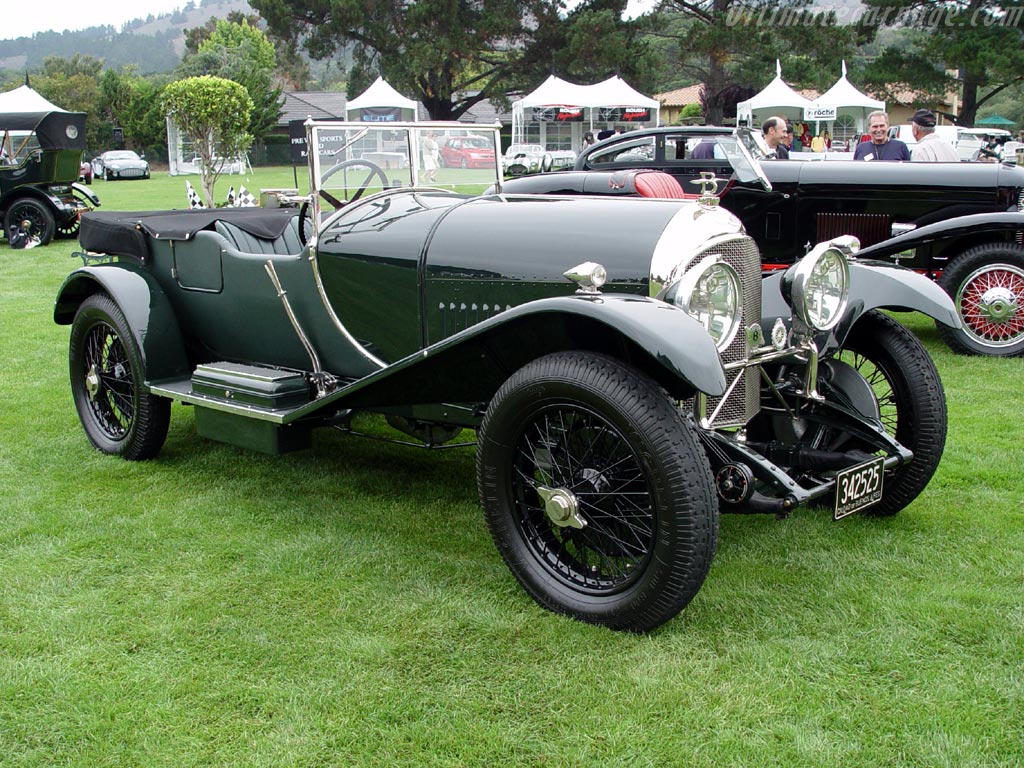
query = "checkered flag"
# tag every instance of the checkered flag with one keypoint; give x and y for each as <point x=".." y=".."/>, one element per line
<point x="231" y="196"/>
<point x="194" y="200"/>
<point x="245" y="199"/>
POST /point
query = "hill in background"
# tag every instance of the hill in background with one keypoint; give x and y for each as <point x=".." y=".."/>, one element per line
<point x="153" y="44"/>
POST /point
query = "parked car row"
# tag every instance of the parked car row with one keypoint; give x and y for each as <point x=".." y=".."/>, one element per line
<point x="627" y="368"/>
<point x="959" y="223"/>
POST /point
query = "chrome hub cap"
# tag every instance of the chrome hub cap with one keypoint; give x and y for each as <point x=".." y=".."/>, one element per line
<point x="93" y="382"/>
<point x="989" y="303"/>
<point x="561" y="507"/>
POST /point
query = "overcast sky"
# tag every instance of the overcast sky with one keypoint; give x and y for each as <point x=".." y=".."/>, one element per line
<point x="60" y="15"/>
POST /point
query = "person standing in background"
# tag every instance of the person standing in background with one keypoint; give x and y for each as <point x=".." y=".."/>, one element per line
<point x="879" y="146"/>
<point x="930" y="147"/>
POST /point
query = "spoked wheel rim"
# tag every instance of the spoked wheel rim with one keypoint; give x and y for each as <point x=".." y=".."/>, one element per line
<point x="31" y="214"/>
<point x="880" y="384"/>
<point x="109" y="387"/>
<point x="584" y="504"/>
<point x="989" y="303"/>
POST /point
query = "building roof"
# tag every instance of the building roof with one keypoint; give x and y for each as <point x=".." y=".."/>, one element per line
<point x="680" y="97"/>
<point x="298" y="105"/>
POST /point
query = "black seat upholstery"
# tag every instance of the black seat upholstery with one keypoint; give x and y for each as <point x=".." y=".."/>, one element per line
<point x="287" y="243"/>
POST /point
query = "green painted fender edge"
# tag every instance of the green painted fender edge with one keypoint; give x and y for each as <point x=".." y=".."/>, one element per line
<point x="145" y="307"/>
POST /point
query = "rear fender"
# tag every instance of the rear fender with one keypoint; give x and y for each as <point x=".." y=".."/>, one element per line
<point x="975" y="228"/>
<point x="145" y="307"/>
<point x="650" y="335"/>
<point x="87" y="193"/>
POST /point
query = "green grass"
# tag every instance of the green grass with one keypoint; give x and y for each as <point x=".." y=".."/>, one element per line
<point x="345" y="607"/>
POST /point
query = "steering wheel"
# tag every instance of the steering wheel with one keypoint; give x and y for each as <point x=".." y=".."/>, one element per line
<point x="374" y="170"/>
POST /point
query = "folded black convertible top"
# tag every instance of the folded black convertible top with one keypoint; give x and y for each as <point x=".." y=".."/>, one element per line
<point x="126" y="233"/>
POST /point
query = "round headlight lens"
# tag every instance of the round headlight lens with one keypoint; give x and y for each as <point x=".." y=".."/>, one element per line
<point x="711" y="293"/>
<point x="819" y="288"/>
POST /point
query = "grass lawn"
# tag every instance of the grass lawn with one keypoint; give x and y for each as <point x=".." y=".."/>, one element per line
<point x="344" y="606"/>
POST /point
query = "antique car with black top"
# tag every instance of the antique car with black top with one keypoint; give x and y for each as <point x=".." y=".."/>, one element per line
<point x="959" y="223"/>
<point x="40" y="163"/>
<point x="625" y="367"/>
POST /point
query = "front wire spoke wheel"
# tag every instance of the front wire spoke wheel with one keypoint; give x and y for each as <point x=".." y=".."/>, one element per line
<point x="596" y="491"/>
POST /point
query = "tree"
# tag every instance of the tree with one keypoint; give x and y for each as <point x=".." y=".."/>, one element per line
<point x="238" y="51"/>
<point x="974" y="45"/>
<point x="214" y="113"/>
<point x="726" y="44"/>
<point x="133" y="103"/>
<point x="452" y="54"/>
<point x="73" y="84"/>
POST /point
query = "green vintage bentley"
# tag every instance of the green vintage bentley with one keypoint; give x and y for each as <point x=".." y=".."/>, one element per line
<point x="627" y="371"/>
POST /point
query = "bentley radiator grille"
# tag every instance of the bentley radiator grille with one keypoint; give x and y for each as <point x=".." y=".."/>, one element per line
<point x="744" y="400"/>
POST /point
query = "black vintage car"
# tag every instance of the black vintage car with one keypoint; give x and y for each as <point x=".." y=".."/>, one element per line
<point x="40" y="163"/>
<point x="959" y="223"/>
<point x="626" y="369"/>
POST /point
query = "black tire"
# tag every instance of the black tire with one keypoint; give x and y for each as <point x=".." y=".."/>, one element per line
<point x="70" y="229"/>
<point x="910" y="401"/>
<point x="108" y="176"/>
<point x="107" y="375"/>
<point x="581" y="424"/>
<point x="39" y="217"/>
<point x="987" y="286"/>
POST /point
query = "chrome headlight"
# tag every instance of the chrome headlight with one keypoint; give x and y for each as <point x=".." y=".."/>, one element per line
<point x="712" y="294"/>
<point x="818" y="286"/>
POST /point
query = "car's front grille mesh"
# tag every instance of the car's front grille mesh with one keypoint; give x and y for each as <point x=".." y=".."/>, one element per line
<point x="131" y="173"/>
<point x="743" y="403"/>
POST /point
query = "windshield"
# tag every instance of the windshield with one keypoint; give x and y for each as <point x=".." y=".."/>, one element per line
<point x="355" y="160"/>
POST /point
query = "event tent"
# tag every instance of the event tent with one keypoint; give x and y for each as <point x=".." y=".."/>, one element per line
<point x="583" y="103"/>
<point x="25" y="99"/>
<point x="995" y="121"/>
<point x="777" y="98"/>
<point x="844" y="107"/>
<point x="381" y="103"/>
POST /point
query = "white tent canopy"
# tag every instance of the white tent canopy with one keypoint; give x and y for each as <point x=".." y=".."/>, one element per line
<point x="380" y="98"/>
<point x="777" y="98"/>
<point x="613" y="93"/>
<point x="844" y="106"/>
<point x="25" y="99"/>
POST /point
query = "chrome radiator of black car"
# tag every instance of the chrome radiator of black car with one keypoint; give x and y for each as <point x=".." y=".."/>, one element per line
<point x="743" y="401"/>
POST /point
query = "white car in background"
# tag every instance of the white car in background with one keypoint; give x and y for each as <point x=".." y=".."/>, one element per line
<point x="522" y="159"/>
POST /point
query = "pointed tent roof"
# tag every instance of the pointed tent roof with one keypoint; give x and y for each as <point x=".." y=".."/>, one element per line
<point x="995" y="120"/>
<point x="380" y="94"/>
<point x="843" y="94"/>
<point x="25" y="99"/>
<point x="776" y="96"/>
<point x="613" y="92"/>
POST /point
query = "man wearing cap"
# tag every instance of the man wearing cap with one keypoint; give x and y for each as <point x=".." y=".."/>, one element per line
<point x="880" y="146"/>
<point x="930" y="147"/>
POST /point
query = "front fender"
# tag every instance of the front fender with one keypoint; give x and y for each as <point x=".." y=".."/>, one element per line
<point x="145" y="307"/>
<point x="873" y="285"/>
<point x="650" y="335"/>
<point x="87" y="193"/>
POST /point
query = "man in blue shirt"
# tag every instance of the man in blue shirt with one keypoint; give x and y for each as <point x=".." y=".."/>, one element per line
<point x="880" y="146"/>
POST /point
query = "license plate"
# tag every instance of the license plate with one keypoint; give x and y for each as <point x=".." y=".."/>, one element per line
<point x="859" y="487"/>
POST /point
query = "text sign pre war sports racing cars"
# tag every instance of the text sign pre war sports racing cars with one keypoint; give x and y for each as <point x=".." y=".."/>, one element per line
<point x="626" y="369"/>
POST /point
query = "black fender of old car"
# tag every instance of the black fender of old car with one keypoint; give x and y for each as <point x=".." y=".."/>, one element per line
<point x="145" y="307"/>
<point x="653" y="336"/>
<point x="873" y="285"/>
<point x="951" y="235"/>
<point x="87" y="193"/>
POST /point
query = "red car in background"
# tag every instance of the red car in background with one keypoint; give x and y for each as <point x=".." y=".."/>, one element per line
<point x="467" y="152"/>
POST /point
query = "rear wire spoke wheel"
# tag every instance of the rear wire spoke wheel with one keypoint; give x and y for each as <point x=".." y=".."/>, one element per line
<point x="596" y="491"/>
<point x="908" y="400"/>
<point x="107" y="383"/>
<point x="987" y="287"/>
